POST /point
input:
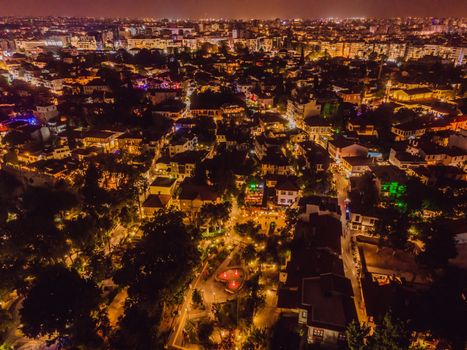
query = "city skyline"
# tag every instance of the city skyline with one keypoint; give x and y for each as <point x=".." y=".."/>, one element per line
<point x="240" y="9"/>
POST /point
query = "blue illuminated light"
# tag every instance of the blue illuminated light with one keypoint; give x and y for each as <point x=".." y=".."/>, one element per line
<point x="31" y="120"/>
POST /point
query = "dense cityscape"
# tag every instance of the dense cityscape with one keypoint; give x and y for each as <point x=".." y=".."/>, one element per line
<point x="233" y="184"/>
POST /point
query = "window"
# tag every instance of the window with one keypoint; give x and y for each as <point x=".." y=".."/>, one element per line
<point x="290" y="193"/>
<point x="282" y="200"/>
<point x="357" y="218"/>
<point x="317" y="332"/>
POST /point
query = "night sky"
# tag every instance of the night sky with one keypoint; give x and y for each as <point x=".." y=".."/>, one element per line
<point x="235" y="8"/>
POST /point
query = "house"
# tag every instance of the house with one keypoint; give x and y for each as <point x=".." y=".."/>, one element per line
<point x="458" y="139"/>
<point x="211" y="103"/>
<point x="318" y="130"/>
<point x="300" y="109"/>
<point x="81" y="154"/>
<point x="154" y="203"/>
<point x="233" y="112"/>
<point x="264" y="145"/>
<point x="443" y="156"/>
<point x="172" y="109"/>
<point x="409" y="130"/>
<point x="287" y="193"/>
<point x="154" y="142"/>
<point x="275" y="163"/>
<point x="356" y="165"/>
<point x="46" y="112"/>
<point x="326" y="308"/>
<point x="44" y="173"/>
<point x="181" y="165"/>
<point x="163" y="185"/>
<point x="193" y="197"/>
<point x="130" y="143"/>
<point x="264" y="99"/>
<point x="182" y="141"/>
<point x="216" y="113"/>
<point x="341" y="147"/>
<point x="458" y="123"/>
<point x="362" y="127"/>
<point x="385" y="262"/>
<point x="30" y="153"/>
<point x="105" y="140"/>
<point x="159" y="96"/>
<point x="185" y="123"/>
<point x="254" y="194"/>
<point x="350" y="96"/>
<point x="402" y="159"/>
<point x="316" y="157"/>
<point x="95" y="85"/>
<point x="320" y="205"/>
<point x="360" y="216"/>
<point x="272" y="121"/>
<point x="412" y="95"/>
<point x="316" y="251"/>
<point x="382" y="294"/>
<point x="313" y="283"/>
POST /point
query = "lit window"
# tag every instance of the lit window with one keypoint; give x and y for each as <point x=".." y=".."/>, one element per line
<point x="317" y="332"/>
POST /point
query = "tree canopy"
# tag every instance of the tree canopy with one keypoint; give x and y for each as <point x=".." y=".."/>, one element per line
<point x="389" y="334"/>
<point x="160" y="264"/>
<point x="60" y="302"/>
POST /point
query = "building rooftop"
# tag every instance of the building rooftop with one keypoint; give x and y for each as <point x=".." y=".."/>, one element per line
<point x="156" y="201"/>
<point x="329" y="300"/>
<point x="162" y="181"/>
<point x="388" y="261"/>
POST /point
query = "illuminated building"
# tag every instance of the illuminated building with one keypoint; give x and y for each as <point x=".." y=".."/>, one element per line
<point x="412" y="95"/>
<point x="254" y="194"/>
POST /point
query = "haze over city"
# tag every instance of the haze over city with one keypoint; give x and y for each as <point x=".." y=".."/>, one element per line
<point x="235" y="8"/>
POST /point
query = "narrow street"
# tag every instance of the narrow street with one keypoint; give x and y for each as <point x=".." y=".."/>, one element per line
<point x="174" y="338"/>
<point x="268" y="315"/>
<point x="342" y="187"/>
